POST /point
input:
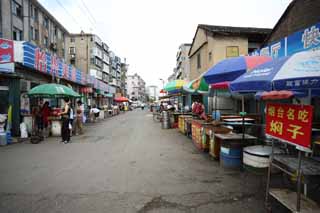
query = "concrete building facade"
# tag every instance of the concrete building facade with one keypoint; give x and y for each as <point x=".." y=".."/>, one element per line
<point x="123" y="79"/>
<point x="212" y="44"/>
<point x="136" y="88"/>
<point x="28" y="20"/>
<point x="183" y="63"/>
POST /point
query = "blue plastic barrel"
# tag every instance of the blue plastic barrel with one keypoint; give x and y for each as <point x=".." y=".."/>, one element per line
<point x="231" y="156"/>
<point x="9" y="138"/>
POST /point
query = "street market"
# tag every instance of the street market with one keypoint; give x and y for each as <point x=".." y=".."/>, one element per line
<point x="117" y="106"/>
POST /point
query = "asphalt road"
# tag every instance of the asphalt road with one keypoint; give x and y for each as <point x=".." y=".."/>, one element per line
<point x="126" y="163"/>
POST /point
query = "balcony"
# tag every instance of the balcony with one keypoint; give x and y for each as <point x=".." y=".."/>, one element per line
<point x="96" y="73"/>
<point x="105" y="58"/>
<point x="97" y="40"/>
<point x="106" y="68"/>
<point x="97" y="52"/>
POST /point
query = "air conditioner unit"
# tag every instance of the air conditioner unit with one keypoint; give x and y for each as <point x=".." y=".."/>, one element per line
<point x="53" y="46"/>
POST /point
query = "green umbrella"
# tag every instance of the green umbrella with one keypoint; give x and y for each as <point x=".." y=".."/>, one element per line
<point x="52" y="91"/>
<point x="197" y="85"/>
<point x="174" y="85"/>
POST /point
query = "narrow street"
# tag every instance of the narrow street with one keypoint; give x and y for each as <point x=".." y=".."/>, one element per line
<point x="126" y="163"/>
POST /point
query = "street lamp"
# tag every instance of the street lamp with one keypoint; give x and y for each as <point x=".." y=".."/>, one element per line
<point x="162" y="82"/>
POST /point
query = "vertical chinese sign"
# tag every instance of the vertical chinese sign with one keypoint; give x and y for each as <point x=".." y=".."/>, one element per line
<point x="291" y="123"/>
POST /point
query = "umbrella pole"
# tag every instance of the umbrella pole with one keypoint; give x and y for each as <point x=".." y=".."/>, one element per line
<point x="215" y="105"/>
<point x="243" y="114"/>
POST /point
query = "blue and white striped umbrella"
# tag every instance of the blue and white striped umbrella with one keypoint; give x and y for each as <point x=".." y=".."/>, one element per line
<point x="299" y="72"/>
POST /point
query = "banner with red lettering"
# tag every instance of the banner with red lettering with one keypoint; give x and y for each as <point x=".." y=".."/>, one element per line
<point x="6" y="51"/>
<point x="289" y="122"/>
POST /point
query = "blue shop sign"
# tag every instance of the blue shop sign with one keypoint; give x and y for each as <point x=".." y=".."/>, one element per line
<point x="307" y="39"/>
<point x="44" y="62"/>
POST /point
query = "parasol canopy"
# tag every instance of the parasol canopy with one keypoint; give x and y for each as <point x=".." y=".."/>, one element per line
<point x="198" y="85"/>
<point x="121" y="99"/>
<point x="175" y="85"/>
<point x="231" y="68"/>
<point x="299" y="72"/>
<point x="53" y="91"/>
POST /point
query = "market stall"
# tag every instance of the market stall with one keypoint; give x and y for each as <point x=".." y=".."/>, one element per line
<point x="55" y="92"/>
<point x="295" y="77"/>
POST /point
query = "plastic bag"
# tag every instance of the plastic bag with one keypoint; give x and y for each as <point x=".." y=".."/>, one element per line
<point x="70" y="126"/>
<point x="84" y="119"/>
<point x="23" y="130"/>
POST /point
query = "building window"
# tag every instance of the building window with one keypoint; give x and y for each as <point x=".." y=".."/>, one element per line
<point x="72" y="50"/>
<point x="17" y="34"/>
<point x="72" y="39"/>
<point x="210" y="56"/>
<point x="91" y="39"/>
<point x="36" y="34"/>
<point x="198" y="61"/>
<point x="16" y="9"/>
<point x="31" y="33"/>
<point x="46" y="22"/>
<point x="232" y="51"/>
<point x="45" y="41"/>
<point x="34" y="13"/>
<point x="55" y="31"/>
<point x="92" y="60"/>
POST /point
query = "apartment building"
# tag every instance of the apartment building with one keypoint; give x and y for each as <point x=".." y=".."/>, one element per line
<point x="115" y="68"/>
<point x="88" y="53"/>
<point x="28" y="20"/>
<point x="124" y="71"/>
<point x="183" y="63"/>
<point x="136" y="88"/>
<point x="212" y="44"/>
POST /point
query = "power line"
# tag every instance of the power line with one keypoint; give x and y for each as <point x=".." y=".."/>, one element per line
<point x="75" y="20"/>
<point x="85" y="6"/>
<point x="85" y="12"/>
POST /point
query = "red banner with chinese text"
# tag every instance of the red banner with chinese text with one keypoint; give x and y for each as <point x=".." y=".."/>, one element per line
<point x="6" y="51"/>
<point x="290" y="122"/>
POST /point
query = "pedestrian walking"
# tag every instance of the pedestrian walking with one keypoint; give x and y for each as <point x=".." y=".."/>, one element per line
<point x="65" y="116"/>
<point x="79" y="118"/>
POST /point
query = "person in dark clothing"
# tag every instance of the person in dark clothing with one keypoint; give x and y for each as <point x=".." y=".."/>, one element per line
<point x="65" y="115"/>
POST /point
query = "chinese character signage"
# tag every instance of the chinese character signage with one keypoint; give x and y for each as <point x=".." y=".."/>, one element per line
<point x="305" y="39"/>
<point x="6" y="51"/>
<point x="291" y="123"/>
<point x="44" y="62"/>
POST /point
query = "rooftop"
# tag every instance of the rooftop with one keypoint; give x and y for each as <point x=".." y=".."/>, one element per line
<point x="234" y="30"/>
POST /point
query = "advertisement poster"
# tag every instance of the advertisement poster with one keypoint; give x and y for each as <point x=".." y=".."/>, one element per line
<point x="6" y="51"/>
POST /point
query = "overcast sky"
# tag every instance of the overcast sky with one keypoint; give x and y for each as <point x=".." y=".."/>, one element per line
<point x="149" y="32"/>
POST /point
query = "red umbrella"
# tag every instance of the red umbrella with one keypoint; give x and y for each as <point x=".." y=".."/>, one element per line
<point x="221" y="85"/>
<point x="121" y="99"/>
<point x="276" y="95"/>
<point x="162" y="91"/>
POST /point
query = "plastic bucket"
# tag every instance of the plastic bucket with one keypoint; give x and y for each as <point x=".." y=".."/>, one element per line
<point x="3" y="139"/>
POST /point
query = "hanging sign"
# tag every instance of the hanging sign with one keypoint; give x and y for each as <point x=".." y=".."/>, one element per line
<point x="6" y="51"/>
<point x="290" y="123"/>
